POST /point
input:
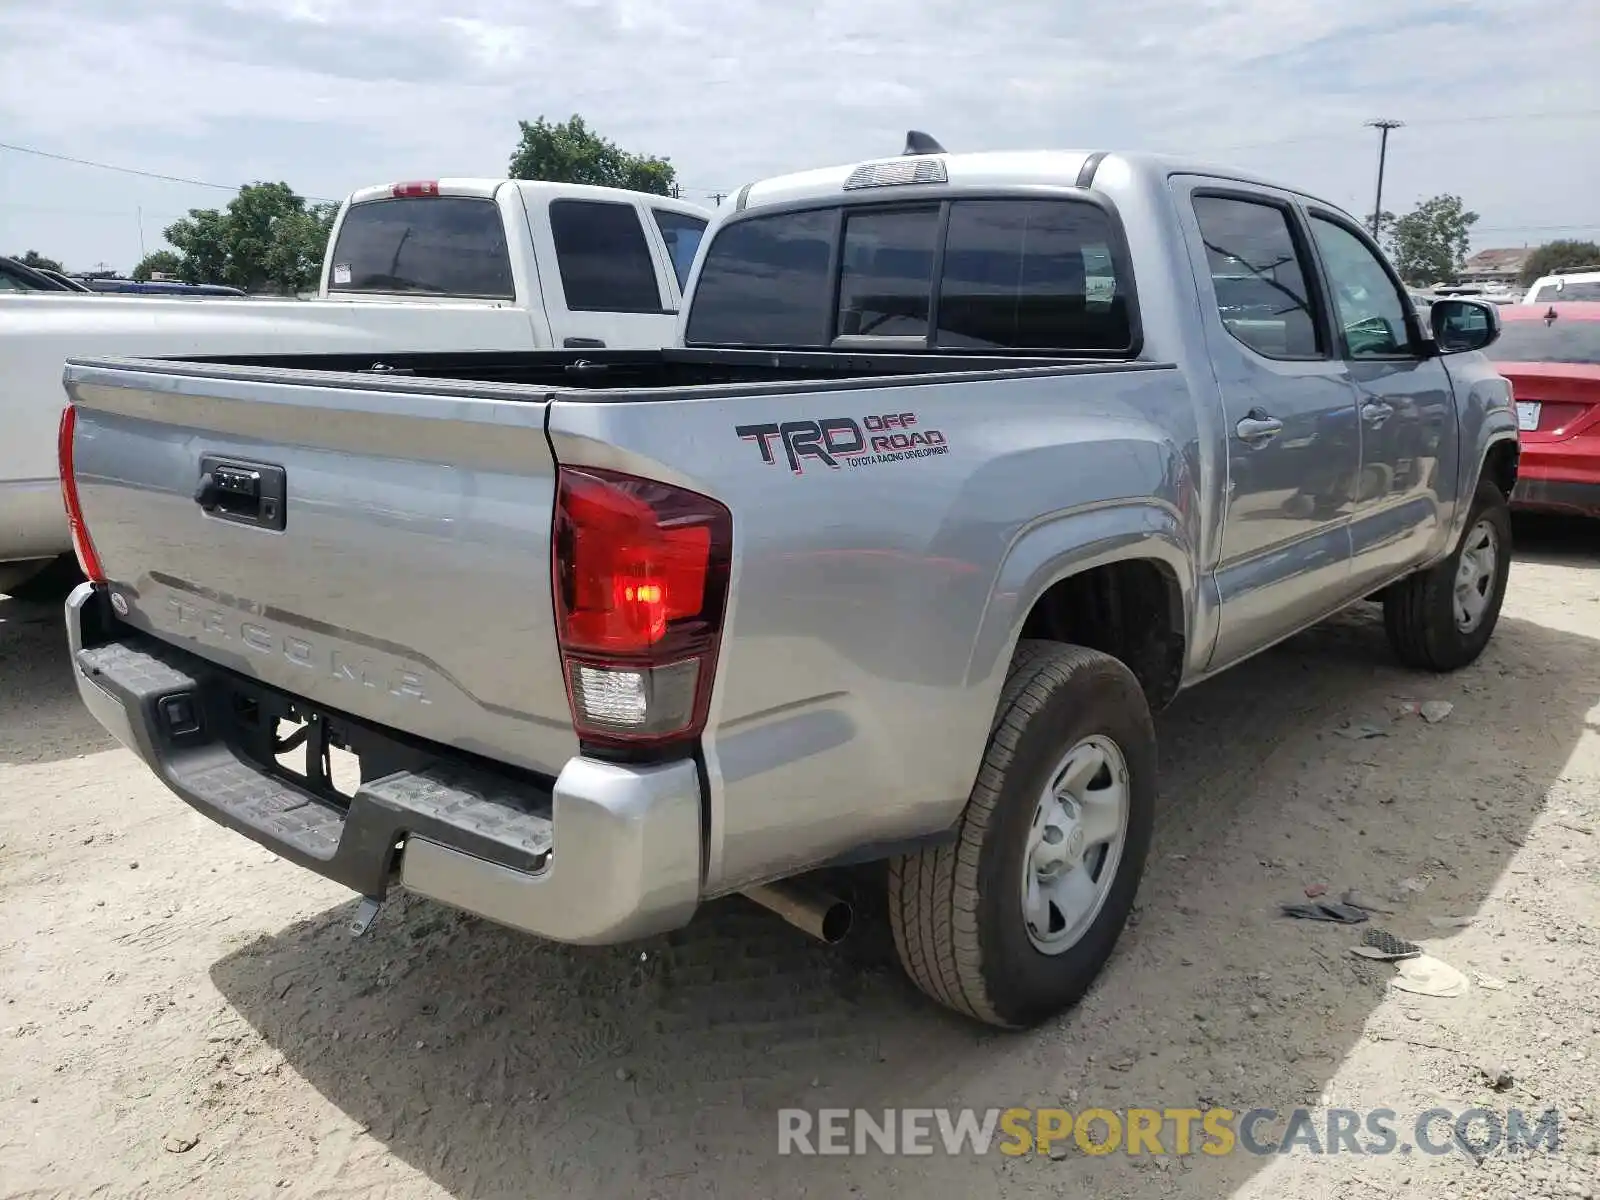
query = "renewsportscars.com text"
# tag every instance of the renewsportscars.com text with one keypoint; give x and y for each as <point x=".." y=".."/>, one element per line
<point x="1163" y="1131"/>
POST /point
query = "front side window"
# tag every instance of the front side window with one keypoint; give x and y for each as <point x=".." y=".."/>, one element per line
<point x="604" y="261"/>
<point x="1371" y="310"/>
<point x="1258" y="277"/>
<point x="682" y="234"/>
<point x="438" y="245"/>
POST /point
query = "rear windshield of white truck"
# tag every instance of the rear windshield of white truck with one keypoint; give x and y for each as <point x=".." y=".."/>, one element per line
<point x="971" y="274"/>
<point x="436" y="245"/>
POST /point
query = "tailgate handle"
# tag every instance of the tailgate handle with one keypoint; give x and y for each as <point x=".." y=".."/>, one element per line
<point x="245" y="493"/>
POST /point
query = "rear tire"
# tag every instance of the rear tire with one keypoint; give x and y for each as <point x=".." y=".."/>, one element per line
<point x="961" y="912"/>
<point x="1442" y="618"/>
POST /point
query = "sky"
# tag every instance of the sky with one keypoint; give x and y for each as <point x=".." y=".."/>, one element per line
<point x="1500" y="98"/>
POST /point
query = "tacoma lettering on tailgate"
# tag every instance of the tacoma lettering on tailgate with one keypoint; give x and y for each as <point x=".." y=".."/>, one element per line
<point x="216" y="626"/>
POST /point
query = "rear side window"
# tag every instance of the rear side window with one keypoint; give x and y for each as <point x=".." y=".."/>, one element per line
<point x="1017" y="275"/>
<point x="767" y="282"/>
<point x="1032" y="274"/>
<point x="1258" y="277"/>
<point x="682" y="234"/>
<point x="604" y="260"/>
<point x="439" y="245"/>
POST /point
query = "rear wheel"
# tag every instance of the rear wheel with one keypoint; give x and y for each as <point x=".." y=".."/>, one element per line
<point x="1014" y="920"/>
<point x="1442" y="618"/>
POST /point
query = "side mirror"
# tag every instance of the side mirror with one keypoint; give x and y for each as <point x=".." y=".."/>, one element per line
<point x="1460" y="325"/>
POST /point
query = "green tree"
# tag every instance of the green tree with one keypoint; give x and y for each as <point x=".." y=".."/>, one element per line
<point x="1557" y="256"/>
<point x="34" y="259"/>
<point x="268" y="239"/>
<point x="1429" y="244"/>
<point x="573" y="153"/>
<point x="161" y="262"/>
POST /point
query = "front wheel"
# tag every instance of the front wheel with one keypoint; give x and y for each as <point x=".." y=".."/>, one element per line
<point x="1014" y="920"/>
<point x="1442" y="618"/>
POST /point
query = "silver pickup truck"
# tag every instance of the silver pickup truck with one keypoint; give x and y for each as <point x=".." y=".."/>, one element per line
<point x="963" y="466"/>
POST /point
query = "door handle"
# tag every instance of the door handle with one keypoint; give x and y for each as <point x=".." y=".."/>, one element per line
<point x="1256" y="428"/>
<point x="1376" y="412"/>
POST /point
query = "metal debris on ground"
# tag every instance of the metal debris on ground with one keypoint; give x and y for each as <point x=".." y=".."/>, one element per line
<point x="1383" y="946"/>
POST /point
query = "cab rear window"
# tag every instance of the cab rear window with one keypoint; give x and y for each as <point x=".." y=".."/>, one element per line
<point x="978" y="274"/>
<point x="436" y="245"/>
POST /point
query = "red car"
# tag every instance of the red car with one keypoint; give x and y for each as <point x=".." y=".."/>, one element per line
<point x="1551" y="355"/>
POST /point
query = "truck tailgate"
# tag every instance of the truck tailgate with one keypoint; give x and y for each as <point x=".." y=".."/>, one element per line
<point x="409" y="583"/>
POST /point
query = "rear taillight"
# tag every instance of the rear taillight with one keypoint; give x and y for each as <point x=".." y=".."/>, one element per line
<point x="82" y="546"/>
<point x="641" y="580"/>
<point x="421" y="188"/>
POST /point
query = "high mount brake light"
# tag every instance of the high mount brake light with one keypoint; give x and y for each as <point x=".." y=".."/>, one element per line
<point x="82" y="546"/>
<point x="640" y="571"/>
<point x="424" y="188"/>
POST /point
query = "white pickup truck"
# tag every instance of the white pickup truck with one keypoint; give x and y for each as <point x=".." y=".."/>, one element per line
<point x="446" y="265"/>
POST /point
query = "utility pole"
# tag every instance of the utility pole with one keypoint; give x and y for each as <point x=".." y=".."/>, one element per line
<point x="718" y="197"/>
<point x="139" y="216"/>
<point x="1382" y="126"/>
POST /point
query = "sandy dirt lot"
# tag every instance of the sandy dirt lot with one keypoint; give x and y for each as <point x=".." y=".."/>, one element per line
<point x="183" y="1014"/>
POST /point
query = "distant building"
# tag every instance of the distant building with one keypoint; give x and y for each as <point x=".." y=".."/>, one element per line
<point x="1495" y="266"/>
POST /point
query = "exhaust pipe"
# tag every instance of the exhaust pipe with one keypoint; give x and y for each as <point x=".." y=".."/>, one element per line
<point x="825" y="917"/>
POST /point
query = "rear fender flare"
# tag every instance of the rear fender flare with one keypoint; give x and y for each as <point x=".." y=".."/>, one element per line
<point x="1058" y="546"/>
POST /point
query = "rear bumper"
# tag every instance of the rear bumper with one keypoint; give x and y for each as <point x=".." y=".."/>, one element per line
<point x="1558" y="477"/>
<point x="606" y="854"/>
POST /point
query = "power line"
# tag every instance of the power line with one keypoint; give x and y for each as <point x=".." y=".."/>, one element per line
<point x="1301" y="139"/>
<point x="84" y="162"/>
<point x="221" y="187"/>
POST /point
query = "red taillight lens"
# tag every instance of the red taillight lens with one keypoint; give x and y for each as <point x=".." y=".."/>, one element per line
<point x="82" y="546"/>
<point x="641" y="581"/>
<point x="407" y="190"/>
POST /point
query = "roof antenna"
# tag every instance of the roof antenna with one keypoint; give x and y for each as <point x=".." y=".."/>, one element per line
<point x="918" y="142"/>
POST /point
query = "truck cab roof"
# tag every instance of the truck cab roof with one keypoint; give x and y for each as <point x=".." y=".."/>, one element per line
<point x="996" y="169"/>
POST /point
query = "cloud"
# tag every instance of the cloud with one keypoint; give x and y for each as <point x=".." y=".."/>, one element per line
<point x="334" y="94"/>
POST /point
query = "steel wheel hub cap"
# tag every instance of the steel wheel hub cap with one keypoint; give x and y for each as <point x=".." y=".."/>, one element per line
<point x="1475" y="575"/>
<point x="1074" y="844"/>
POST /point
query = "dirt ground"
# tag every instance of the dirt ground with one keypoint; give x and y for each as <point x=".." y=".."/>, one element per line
<point x="183" y="1014"/>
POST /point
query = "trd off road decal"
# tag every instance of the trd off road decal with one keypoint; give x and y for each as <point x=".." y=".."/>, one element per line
<point x="844" y="441"/>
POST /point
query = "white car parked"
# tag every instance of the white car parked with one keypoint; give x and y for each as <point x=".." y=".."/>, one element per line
<point x="442" y="265"/>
